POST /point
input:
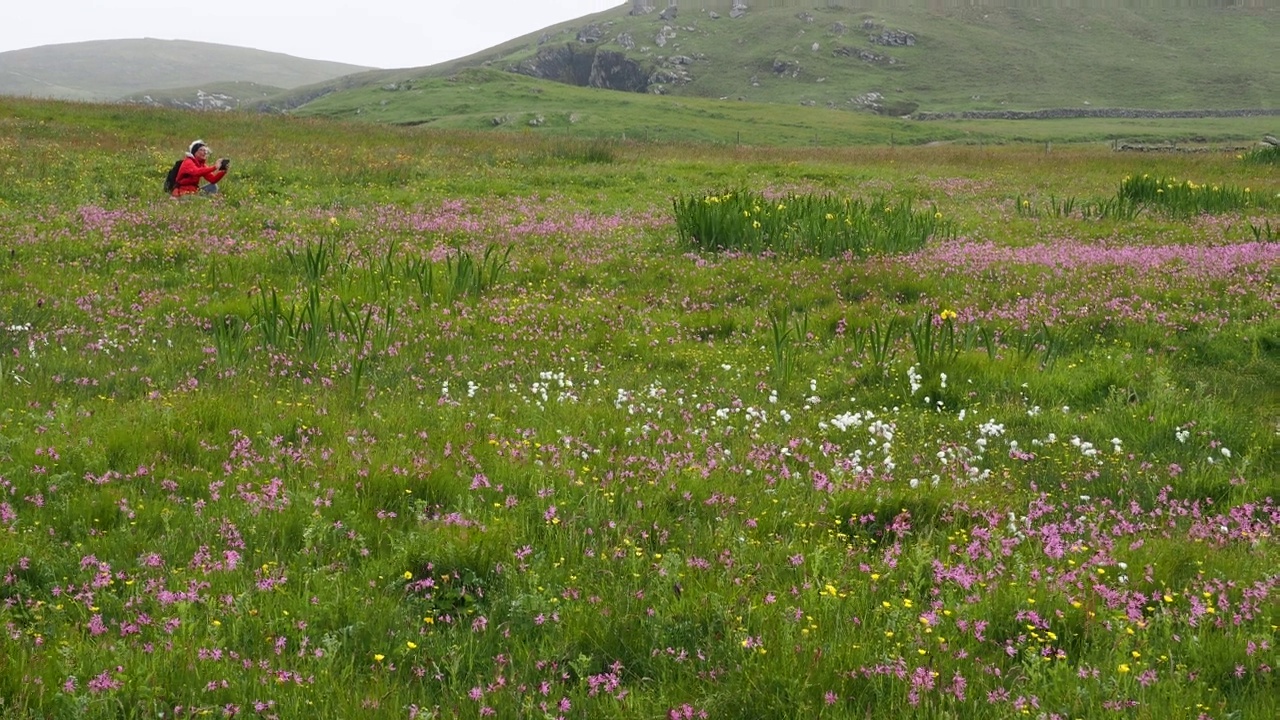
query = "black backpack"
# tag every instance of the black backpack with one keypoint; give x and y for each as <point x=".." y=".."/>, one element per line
<point x="171" y="179"/>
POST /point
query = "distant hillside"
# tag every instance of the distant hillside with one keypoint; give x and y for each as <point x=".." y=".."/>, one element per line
<point x="104" y="70"/>
<point x="892" y="58"/>
<point x="231" y="95"/>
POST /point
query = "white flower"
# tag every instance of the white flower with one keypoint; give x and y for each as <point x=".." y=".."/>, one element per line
<point x="1226" y="453"/>
<point x="847" y="420"/>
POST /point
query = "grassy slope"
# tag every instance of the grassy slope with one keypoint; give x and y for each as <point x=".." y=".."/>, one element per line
<point x="230" y="95"/>
<point x="493" y="100"/>
<point x="109" y="69"/>
<point x="988" y="58"/>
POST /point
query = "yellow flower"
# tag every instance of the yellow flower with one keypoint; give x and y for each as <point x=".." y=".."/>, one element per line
<point x="412" y="645"/>
<point x="408" y="575"/>
<point x="1124" y="668"/>
<point x="948" y="315"/>
<point x="379" y="658"/>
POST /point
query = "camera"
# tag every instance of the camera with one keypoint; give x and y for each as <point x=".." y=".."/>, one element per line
<point x="224" y="163"/>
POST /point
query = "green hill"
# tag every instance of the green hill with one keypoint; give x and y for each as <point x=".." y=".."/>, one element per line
<point x="893" y="59"/>
<point x="107" y="70"/>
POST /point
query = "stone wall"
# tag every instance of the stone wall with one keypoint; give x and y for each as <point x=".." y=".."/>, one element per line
<point x="1061" y="113"/>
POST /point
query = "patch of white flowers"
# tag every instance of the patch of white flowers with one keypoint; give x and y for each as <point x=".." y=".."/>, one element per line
<point x="991" y="428"/>
<point x="1086" y="448"/>
<point x="847" y="420"/>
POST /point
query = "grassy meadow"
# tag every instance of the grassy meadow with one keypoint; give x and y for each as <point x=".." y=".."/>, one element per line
<point x="415" y="423"/>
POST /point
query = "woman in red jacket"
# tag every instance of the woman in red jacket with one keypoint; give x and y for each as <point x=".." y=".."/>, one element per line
<point x="193" y="168"/>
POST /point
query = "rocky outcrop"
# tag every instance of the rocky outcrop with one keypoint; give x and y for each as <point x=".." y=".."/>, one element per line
<point x="879" y="104"/>
<point x="590" y="34"/>
<point x="199" y="100"/>
<point x="586" y="67"/>
<point x="785" y="68"/>
<point x="894" y="38"/>
<point x="867" y="56"/>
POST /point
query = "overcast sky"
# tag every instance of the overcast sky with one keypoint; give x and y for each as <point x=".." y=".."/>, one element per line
<point x="376" y="33"/>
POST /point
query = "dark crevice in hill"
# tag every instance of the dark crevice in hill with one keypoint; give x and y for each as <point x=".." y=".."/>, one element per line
<point x="586" y="67"/>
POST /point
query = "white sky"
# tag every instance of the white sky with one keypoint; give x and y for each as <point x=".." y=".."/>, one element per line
<point x="377" y="33"/>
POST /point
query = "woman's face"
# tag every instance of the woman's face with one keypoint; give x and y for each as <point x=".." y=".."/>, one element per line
<point x="202" y="153"/>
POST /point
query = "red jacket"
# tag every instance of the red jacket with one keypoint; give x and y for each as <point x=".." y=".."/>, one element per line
<point x="189" y="174"/>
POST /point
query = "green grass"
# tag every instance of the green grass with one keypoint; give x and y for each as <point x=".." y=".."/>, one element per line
<point x="423" y="422"/>
<point x="491" y="101"/>
<point x="822" y="225"/>
<point x="1196" y="56"/>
